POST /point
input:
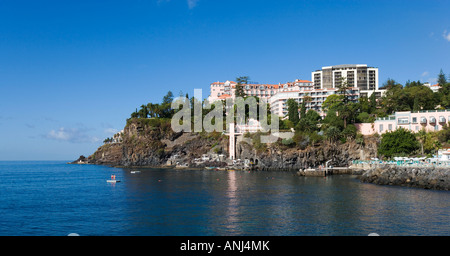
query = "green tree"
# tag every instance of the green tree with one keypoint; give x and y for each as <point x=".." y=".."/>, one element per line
<point x="332" y="133"/>
<point x="394" y="98"/>
<point x="444" y="135"/>
<point x="293" y="111"/>
<point x="308" y="122"/>
<point x="306" y="99"/>
<point x="398" y="142"/>
<point x="444" y="91"/>
<point x="364" y="105"/>
<point x="372" y="103"/>
<point x="418" y="96"/>
<point x="350" y="131"/>
<point x="390" y="83"/>
<point x="331" y="119"/>
<point x="333" y="102"/>
<point x="168" y="98"/>
<point x="240" y="82"/>
<point x="135" y="114"/>
<point x="152" y="109"/>
<point x="441" y="78"/>
<point x="143" y="112"/>
<point x="165" y="110"/>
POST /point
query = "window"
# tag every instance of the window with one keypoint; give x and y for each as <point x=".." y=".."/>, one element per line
<point x="390" y="127"/>
<point x="436" y="127"/>
<point x="403" y="120"/>
<point x="414" y="120"/>
<point x="381" y="127"/>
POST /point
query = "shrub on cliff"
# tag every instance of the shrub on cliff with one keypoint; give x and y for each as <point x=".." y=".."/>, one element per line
<point x="398" y="142"/>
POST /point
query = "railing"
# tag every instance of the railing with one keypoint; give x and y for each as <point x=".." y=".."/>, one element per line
<point x="410" y="163"/>
<point x="431" y="111"/>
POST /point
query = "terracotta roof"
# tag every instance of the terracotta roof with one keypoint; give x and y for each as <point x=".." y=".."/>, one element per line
<point x="224" y="96"/>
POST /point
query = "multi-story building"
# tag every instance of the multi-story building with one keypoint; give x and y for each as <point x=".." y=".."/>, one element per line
<point x="224" y="90"/>
<point x="428" y="120"/>
<point x="356" y="75"/>
<point x="221" y="90"/>
<point x="313" y="99"/>
<point x="278" y="94"/>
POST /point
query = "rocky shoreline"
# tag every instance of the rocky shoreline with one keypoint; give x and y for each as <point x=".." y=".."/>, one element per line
<point x="432" y="177"/>
<point x="152" y="143"/>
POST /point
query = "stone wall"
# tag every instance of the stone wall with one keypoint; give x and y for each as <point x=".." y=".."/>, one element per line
<point x="421" y="177"/>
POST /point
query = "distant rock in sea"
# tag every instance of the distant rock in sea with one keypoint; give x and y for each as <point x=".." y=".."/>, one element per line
<point x="81" y="160"/>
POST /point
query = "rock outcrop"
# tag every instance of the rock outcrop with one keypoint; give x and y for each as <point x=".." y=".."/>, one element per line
<point x="278" y="157"/>
<point x="81" y="160"/>
<point x="152" y="142"/>
<point x="421" y="177"/>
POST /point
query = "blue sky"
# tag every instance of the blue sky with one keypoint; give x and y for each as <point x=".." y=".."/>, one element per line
<point x="71" y="72"/>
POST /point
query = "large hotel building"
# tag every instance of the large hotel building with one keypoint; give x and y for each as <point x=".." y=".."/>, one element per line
<point x="356" y="75"/>
<point x="361" y="81"/>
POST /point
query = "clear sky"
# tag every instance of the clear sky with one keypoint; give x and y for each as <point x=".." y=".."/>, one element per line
<point x="71" y="72"/>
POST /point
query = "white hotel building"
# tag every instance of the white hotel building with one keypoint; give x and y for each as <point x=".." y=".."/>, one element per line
<point x="278" y="103"/>
<point x="278" y="94"/>
<point x="356" y="75"/>
<point x="361" y="81"/>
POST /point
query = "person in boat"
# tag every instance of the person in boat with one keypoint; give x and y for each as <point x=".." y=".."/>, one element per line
<point x="113" y="177"/>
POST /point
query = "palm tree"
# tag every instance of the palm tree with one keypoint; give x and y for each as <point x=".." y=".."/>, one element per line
<point x="152" y="109"/>
<point x="332" y="133"/>
<point x="143" y="112"/>
<point x="422" y="135"/>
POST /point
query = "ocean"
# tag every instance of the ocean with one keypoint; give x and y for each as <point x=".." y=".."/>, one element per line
<point x="52" y="198"/>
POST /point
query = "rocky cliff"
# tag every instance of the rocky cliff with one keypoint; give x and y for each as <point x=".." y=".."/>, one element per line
<point x="276" y="156"/>
<point x="152" y="142"/>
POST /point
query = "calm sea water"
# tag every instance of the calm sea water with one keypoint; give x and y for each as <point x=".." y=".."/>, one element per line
<point x="54" y="198"/>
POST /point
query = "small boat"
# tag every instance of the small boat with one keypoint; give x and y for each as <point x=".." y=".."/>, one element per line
<point x="113" y="179"/>
<point x="135" y="171"/>
<point x="211" y="168"/>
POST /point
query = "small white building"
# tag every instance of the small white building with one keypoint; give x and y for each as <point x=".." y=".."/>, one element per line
<point x="444" y="154"/>
<point x="434" y="87"/>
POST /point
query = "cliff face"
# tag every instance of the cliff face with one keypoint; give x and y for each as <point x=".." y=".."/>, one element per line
<point x="276" y="156"/>
<point x="152" y="142"/>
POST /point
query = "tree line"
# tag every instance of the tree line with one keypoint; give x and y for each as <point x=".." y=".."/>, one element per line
<point x="342" y="113"/>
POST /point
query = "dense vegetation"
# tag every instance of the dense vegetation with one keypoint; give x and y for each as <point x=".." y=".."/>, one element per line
<point x="398" y="142"/>
<point x="341" y="114"/>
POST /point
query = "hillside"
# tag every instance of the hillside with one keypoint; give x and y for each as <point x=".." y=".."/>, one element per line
<point x="152" y="142"/>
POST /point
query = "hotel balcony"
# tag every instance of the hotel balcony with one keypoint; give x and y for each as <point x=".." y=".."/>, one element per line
<point x="432" y="120"/>
<point x="423" y="120"/>
<point x="441" y="119"/>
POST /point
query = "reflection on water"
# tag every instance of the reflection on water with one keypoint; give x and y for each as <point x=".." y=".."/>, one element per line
<point x="232" y="210"/>
<point x="188" y="202"/>
<point x="53" y="198"/>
